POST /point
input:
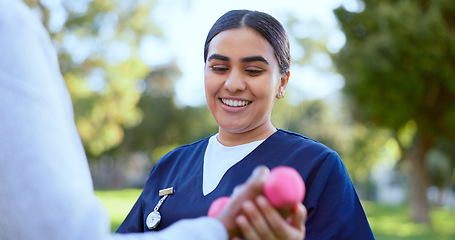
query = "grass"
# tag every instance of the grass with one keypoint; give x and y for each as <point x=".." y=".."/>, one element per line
<point x="118" y="204"/>
<point x="393" y="223"/>
<point x="387" y="222"/>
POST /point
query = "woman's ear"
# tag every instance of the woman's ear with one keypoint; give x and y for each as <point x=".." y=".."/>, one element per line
<point x="283" y="84"/>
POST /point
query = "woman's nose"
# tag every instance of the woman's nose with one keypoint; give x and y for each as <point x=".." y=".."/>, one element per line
<point x="235" y="82"/>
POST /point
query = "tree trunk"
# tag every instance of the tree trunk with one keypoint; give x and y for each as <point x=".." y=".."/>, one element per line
<point x="419" y="181"/>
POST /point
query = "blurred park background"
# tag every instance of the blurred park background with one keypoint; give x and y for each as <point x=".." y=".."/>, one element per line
<point x="372" y="79"/>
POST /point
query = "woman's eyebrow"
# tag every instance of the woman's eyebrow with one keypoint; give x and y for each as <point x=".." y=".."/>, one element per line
<point x="219" y="57"/>
<point x="246" y="59"/>
<point x="255" y="59"/>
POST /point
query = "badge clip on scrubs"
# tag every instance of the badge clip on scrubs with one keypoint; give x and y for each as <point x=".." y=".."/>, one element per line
<point x="154" y="218"/>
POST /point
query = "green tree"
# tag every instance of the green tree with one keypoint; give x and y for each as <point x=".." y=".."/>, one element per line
<point x="98" y="45"/>
<point x="398" y="63"/>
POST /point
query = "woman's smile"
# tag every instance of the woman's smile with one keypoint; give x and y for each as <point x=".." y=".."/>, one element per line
<point x="234" y="103"/>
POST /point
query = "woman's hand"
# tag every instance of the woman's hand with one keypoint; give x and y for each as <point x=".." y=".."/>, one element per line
<point x="261" y="221"/>
<point x="247" y="191"/>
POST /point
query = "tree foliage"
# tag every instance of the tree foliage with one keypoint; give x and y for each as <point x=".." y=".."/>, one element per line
<point x="98" y="45"/>
<point x="398" y="63"/>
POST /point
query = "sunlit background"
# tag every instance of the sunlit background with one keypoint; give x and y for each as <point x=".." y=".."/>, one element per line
<point x="184" y="26"/>
<point x="362" y="77"/>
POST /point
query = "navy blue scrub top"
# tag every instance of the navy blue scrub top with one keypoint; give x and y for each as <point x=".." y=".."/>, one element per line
<point x="334" y="209"/>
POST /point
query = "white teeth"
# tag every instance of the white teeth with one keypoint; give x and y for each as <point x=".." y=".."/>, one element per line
<point x="235" y="103"/>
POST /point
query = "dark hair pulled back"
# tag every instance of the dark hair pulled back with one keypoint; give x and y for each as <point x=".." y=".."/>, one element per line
<point x="266" y="25"/>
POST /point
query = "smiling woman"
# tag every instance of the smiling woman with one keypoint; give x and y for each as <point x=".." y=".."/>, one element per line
<point x="247" y="58"/>
<point x="242" y="80"/>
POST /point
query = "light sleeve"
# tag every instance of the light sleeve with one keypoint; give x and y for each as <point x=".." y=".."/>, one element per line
<point x="46" y="190"/>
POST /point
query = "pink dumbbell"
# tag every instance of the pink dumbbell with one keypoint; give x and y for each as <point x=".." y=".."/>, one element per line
<point x="284" y="188"/>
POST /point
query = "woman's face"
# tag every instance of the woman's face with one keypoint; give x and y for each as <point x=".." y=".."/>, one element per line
<point x="242" y="80"/>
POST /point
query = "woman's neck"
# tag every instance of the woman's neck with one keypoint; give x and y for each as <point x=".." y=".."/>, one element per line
<point x="229" y="138"/>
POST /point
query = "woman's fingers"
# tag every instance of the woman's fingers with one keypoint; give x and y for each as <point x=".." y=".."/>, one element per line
<point x="277" y="225"/>
<point x="248" y="231"/>
<point x="244" y="192"/>
<point x="260" y="220"/>
<point x="298" y="219"/>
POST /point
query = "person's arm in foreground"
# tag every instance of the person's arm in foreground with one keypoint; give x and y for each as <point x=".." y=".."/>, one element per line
<point x="46" y="190"/>
<point x="45" y="185"/>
